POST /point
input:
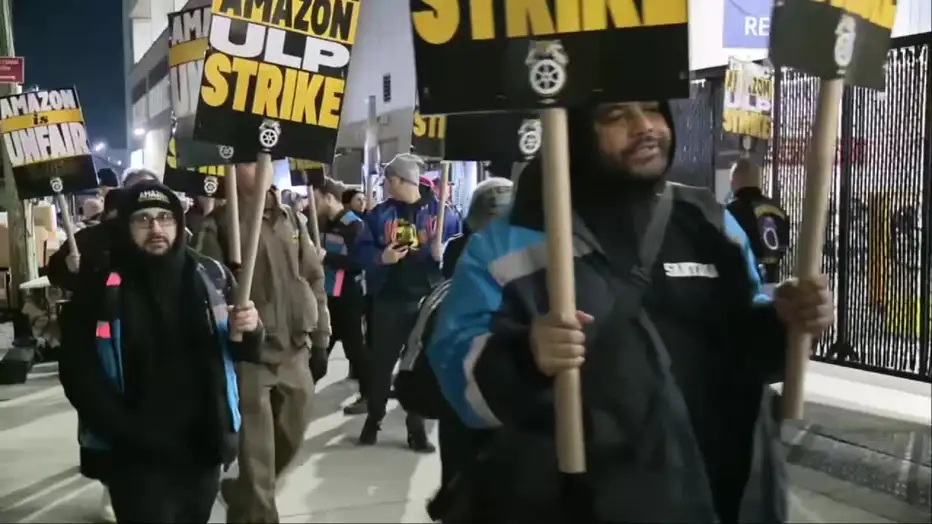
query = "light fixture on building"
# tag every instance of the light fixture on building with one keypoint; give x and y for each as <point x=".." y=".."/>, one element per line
<point x="99" y="146"/>
<point x="139" y="131"/>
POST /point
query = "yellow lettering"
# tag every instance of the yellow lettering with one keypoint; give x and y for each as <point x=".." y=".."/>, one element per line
<point x="420" y="125"/>
<point x="334" y="20"/>
<point x="244" y="71"/>
<point x="569" y="17"/>
<point x="437" y="24"/>
<point x="878" y="12"/>
<point x="268" y="91"/>
<point x="430" y="126"/>
<point x="291" y="79"/>
<point x="528" y="18"/>
<point x="329" y="115"/>
<point x="741" y="122"/>
<point x="216" y="67"/>
<point x="482" y="18"/>
<point x="440" y="21"/>
<point x="308" y="86"/>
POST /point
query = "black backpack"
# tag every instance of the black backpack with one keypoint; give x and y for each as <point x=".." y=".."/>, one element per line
<point x="416" y="387"/>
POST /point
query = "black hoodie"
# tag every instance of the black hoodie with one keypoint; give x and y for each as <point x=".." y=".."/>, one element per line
<point x="670" y="432"/>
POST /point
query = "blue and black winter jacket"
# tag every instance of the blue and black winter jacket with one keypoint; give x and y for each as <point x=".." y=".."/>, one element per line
<point x="671" y="431"/>
<point x="97" y="378"/>
<point x="340" y="270"/>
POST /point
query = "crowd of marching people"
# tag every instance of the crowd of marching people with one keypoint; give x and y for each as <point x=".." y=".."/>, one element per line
<point x="676" y="339"/>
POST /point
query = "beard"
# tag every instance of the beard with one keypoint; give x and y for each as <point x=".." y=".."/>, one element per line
<point x="646" y="158"/>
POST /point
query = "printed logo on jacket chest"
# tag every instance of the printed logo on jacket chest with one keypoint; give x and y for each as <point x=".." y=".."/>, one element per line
<point x="690" y="270"/>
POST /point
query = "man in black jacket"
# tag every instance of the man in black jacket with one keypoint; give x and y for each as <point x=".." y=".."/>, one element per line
<point x="149" y="368"/>
<point x="673" y="339"/>
<point x="764" y="222"/>
<point x="339" y="228"/>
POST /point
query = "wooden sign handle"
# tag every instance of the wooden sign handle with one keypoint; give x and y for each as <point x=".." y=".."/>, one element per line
<point x="819" y="167"/>
<point x="571" y="451"/>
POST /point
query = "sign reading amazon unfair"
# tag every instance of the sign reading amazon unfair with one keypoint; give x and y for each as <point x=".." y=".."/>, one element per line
<point x="274" y="76"/>
<point x="46" y="142"/>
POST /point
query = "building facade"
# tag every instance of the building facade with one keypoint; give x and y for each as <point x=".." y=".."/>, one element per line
<point x="383" y="67"/>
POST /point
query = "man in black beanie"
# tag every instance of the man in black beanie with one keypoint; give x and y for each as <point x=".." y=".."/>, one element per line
<point x="673" y="340"/>
<point x="150" y="364"/>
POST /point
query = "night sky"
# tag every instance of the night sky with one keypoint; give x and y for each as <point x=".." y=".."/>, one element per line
<point x="80" y="43"/>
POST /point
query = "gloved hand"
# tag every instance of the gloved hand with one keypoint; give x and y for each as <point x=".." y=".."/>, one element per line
<point x="319" y="359"/>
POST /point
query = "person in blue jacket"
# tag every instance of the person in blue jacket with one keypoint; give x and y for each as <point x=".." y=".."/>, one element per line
<point x="397" y="249"/>
<point x="673" y="339"/>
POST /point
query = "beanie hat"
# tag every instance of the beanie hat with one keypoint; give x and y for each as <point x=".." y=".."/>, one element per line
<point x="491" y="199"/>
<point x="145" y="195"/>
<point x="405" y="166"/>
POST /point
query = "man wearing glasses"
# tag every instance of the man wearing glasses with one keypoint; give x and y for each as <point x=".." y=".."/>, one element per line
<point x="150" y="364"/>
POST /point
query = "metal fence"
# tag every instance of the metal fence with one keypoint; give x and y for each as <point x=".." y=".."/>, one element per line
<point x="878" y="242"/>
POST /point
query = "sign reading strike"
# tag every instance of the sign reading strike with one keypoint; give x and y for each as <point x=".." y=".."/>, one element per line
<point x="748" y="99"/>
<point x="427" y="135"/>
<point x="46" y="141"/>
<point x="539" y="53"/>
<point x="275" y="74"/>
<point x="202" y="181"/>
<point x="844" y="38"/>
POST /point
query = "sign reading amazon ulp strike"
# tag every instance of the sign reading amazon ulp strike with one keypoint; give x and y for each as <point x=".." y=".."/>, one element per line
<point x="275" y="73"/>
<point x="540" y="53"/>
<point x="206" y="181"/>
<point x="46" y="141"/>
<point x="187" y="43"/>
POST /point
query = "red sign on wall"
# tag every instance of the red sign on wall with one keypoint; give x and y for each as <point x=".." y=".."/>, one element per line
<point x="11" y="70"/>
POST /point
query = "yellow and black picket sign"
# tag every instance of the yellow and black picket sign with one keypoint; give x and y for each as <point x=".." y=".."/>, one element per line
<point x="187" y="45"/>
<point x="46" y="141"/>
<point x="748" y="99"/>
<point x="845" y="42"/>
<point x="305" y="172"/>
<point x="540" y="53"/>
<point x="275" y="74"/>
<point x="206" y="181"/>
<point x="822" y="48"/>
<point x="428" y="134"/>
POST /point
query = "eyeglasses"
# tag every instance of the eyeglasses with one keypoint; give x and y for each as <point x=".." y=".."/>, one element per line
<point x="145" y="220"/>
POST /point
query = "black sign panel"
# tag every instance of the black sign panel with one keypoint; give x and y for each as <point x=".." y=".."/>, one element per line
<point x="836" y="43"/>
<point x="427" y="135"/>
<point x="487" y="56"/>
<point x="209" y="181"/>
<point x="507" y="137"/>
<point x="274" y="79"/>
<point x="306" y="172"/>
<point x="46" y="141"/>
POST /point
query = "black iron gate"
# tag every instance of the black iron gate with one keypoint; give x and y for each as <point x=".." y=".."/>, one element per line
<point x="878" y="245"/>
<point x="878" y="242"/>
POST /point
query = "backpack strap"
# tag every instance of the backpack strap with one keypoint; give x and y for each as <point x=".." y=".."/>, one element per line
<point x="636" y="284"/>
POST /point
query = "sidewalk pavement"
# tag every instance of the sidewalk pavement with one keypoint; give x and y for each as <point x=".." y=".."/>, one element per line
<point x="335" y="481"/>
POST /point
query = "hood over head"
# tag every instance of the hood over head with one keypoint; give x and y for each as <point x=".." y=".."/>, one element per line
<point x="591" y="182"/>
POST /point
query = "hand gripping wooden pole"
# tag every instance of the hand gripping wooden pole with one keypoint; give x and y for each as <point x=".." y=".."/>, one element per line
<point x="571" y="451"/>
<point x="819" y="167"/>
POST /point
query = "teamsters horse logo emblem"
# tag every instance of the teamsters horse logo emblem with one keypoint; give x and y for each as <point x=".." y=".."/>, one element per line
<point x="210" y="185"/>
<point x="547" y="61"/>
